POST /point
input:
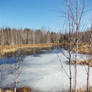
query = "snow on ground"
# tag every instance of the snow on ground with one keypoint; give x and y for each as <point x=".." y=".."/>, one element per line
<point x="43" y="72"/>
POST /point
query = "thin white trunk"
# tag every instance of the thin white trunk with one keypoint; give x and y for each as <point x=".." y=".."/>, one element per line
<point x="88" y="77"/>
<point x="16" y="74"/>
<point x="70" y="75"/>
<point x="70" y="70"/>
<point x="76" y="57"/>
<point x="76" y="60"/>
<point x="15" y="89"/>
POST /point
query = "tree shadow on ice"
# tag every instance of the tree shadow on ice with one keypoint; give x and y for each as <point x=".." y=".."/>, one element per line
<point x="36" y="55"/>
<point x="67" y="62"/>
<point x="10" y="60"/>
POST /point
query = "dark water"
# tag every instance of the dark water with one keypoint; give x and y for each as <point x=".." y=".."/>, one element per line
<point x="11" y="60"/>
<point x="20" y="55"/>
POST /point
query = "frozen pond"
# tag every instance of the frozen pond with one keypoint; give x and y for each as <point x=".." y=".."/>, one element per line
<point x="43" y="72"/>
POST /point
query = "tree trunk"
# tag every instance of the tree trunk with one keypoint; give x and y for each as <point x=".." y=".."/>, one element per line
<point x="88" y="77"/>
<point x="15" y="89"/>
<point x="70" y="71"/>
<point x="76" y="56"/>
<point x="76" y="59"/>
<point x="70" y="75"/>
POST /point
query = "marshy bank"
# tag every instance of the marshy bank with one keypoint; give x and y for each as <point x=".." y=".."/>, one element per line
<point x="19" y="55"/>
<point x="24" y="89"/>
<point x="7" y="49"/>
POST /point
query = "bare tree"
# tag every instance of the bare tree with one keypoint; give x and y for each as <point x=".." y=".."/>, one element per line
<point x="76" y="11"/>
<point x="89" y="62"/>
<point x="18" y="69"/>
<point x="88" y="74"/>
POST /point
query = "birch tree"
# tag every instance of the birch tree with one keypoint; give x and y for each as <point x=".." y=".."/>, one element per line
<point x="76" y="10"/>
<point x="88" y="67"/>
<point x="18" y="69"/>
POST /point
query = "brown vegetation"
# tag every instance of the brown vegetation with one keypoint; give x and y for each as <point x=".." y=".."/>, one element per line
<point x="81" y="90"/>
<point x="84" y="48"/>
<point x="12" y="48"/>
<point x="24" y="89"/>
<point x="84" y="62"/>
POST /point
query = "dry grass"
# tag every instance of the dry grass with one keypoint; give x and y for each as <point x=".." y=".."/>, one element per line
<point x="27" y="89"/>
<point x="84" y="62"/>
<point x="13" y="48"/>
<point x="84" y="48"/>
<point x="24" y="89"/>
<point x="81" y="90"/>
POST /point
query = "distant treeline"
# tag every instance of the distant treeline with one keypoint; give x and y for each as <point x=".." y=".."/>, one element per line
<point x="85" y="36"/>
<point x="10" y="36"/>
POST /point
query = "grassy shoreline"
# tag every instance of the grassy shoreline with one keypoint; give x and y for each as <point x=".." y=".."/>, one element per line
<point x="81" y="90"/>
<point x="27" y="89"/>
<point x="5" y="49"/>
<point x="84" y="48"/>
<point x="23" y="89"/>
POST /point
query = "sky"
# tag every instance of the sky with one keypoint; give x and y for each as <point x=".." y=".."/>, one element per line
<point x="34" y="14"/>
